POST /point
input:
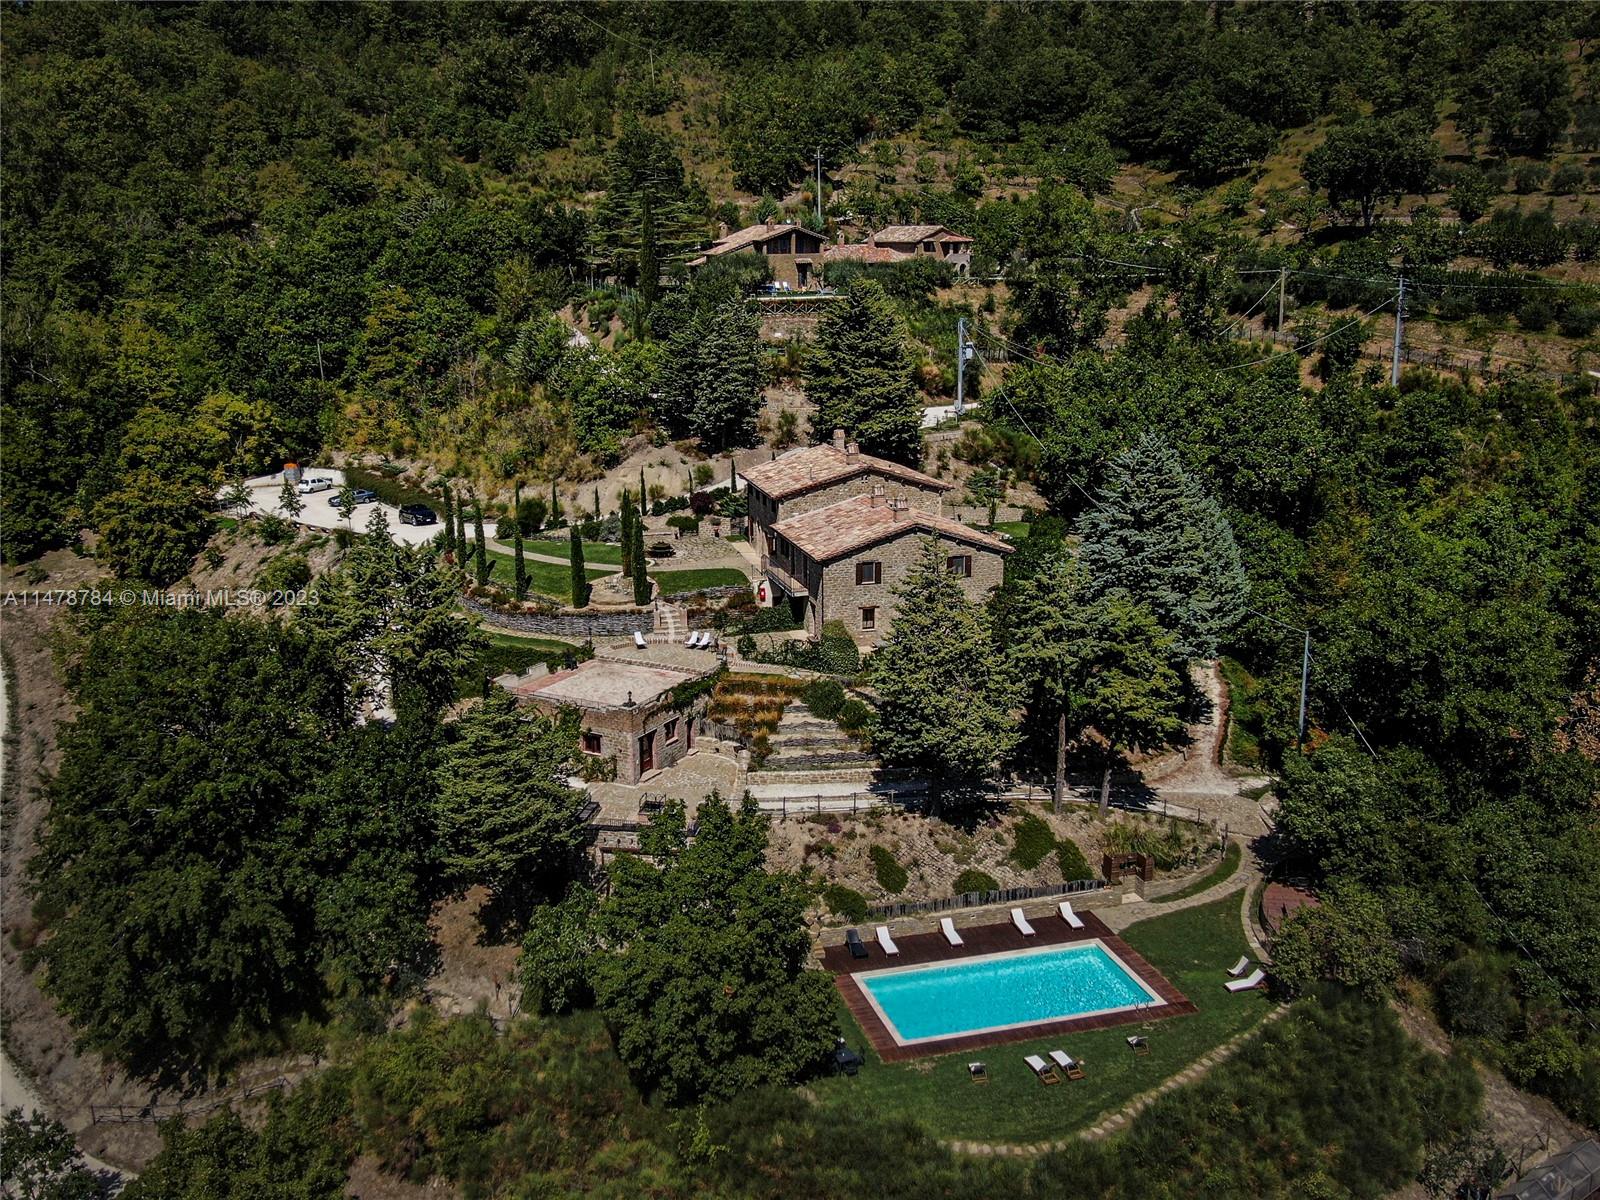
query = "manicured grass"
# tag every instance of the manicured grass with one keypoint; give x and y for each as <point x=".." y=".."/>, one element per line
<point x="1223" y="870"/>
<point x="1017" y="529"/>
<point x="673" y="582"/>
<point x="506" y="653"/>
<point x="546" y="579"/>
<point x="1192" y="948"/>
<point x="593" y="552"/>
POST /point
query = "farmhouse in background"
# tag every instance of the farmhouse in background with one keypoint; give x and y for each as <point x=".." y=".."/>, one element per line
<point x="919" y="241"/>
<point x="793" y="252"/>
<point x="839" y="530"/>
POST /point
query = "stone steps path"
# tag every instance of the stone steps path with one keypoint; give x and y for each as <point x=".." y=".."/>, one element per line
<point x="1116" y="1122"/>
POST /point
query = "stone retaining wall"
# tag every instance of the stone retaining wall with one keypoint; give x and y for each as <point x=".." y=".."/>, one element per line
<point x="568" y="624"/>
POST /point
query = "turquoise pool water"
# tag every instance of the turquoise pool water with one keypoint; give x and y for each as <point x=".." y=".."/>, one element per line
<point x="1003" y="991"/>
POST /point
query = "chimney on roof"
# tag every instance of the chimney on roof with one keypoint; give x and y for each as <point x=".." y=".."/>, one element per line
<point x="851" y="449"/>
<point x="838" y="440"/>
<point x="877" y="494"/>
<point x="897" y="505"/>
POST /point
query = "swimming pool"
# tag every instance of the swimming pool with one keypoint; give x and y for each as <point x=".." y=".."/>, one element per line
<point x="993" y="992"/>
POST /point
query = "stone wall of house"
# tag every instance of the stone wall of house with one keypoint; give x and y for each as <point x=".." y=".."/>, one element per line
<point x="918" y="496"/>
<point x="620" y="730"/>
<point x="568" y="624"/>
<point x="843" y="598"/>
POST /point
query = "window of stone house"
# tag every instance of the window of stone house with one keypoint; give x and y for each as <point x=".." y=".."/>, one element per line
<point x="671" y="730"/>
<point x="869" y="572"/>
<point x="869" y="618"/>
<point x="591" y="743"/>
<point x="960" y="564"/>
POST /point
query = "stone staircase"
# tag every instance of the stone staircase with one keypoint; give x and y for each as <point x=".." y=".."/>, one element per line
<point x="808" y="749"/>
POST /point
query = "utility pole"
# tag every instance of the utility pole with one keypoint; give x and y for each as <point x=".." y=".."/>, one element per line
<point x="819" y="186"/>
<point x="1305" y="675"/>
<point x="1399" y="324"/>
<point x="1283" y="286"/>
<point x="961" y="366"/>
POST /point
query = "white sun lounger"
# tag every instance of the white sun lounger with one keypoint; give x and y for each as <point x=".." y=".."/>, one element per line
<point x="1021" y="922"/>
<point x="950" y="934"/>
<point x="1252" y="980"/>
<point x="1042" y="1069"/>
<point x="638" y="640"/>
<point x="690" y="641"/>
<point x="1070" y="1065"/>
<point x="1240" y="967"/>
<point x="886" y="941"/>
<point x="1070" y="917"/>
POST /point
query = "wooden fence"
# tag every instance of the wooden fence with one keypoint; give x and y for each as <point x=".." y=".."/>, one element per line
<point x="129" y="1114"/>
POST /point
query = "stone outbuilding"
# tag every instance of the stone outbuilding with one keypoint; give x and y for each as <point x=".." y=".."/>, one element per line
<point x="638" y="711"/>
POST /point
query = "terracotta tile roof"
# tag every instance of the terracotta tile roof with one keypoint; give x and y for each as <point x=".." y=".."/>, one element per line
<point x="810" y="467"/>
<point x="825" y="534"/>
<point x="750" y="235"/>
<point x="918" y="233"/>
<point x="862" y="252"/>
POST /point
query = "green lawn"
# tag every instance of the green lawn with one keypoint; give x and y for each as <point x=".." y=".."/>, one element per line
<point x="593" y="552"/>
<point x="547" y="579"/>
<point x="1017" y="529"/>
<point x="505" y="653"/>
<point x="1223" y="870"/>
<point x="1192" y="948"/>
<point x="673" y="582"/>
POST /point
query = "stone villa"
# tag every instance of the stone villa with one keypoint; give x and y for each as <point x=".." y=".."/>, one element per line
<point x="838" y="531"/>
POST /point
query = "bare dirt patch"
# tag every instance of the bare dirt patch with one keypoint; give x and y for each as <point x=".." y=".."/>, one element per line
<point x="474" y="969"/>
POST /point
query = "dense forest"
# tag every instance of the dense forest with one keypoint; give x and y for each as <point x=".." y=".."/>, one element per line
<point x="239" y="234"/>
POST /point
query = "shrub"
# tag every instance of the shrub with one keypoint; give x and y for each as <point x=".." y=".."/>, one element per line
<point x="845" y="902"/>
<point x="701" y="503"/>
<point x="1579" y="320"/>
<point x="974" y="880"/>
<point x="1034" y="841"/>
<point x="1476" y="997"/>
<point x="891" y="876"/>
<point x="1073" y="864"/>
<point x="1346" y="939"/>
<point x="690" y="525"/>
<point x="745" y="645"/>
<point x="285" y="573"/>
<point x="778" y="619"/>
<point x="1530" y="176"/>
<point x="1536" y="313"/>
<point x="824" y="698"/>
<point x="275" y="530"/>
<point x="1567" y="180"/>
<point x="839" y="653"/>
<point x="854" y="716"/>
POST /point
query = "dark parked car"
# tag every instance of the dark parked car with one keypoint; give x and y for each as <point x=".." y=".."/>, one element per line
<point x="417" y="514"/>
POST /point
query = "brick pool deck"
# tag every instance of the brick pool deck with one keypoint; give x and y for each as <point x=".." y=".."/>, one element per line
<point x="917" y="949"/>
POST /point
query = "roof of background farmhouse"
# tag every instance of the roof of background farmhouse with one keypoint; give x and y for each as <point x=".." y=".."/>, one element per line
<point x="824" y="534"/>
<point x="918" y="233"/>
<point x="810" y="467"/>
<point x="751" y="234"/>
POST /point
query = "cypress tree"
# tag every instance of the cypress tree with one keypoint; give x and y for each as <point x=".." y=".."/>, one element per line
<point x="1158" y="538"/>
<point x="641" y="492"/>
<point x="627" y="533"/>
<point x="449" y="525"/>
<point x="641" y="581"/>
<point x="597" y="502"/>
<point x="482" y="566"/>
<point x="580" y="577"/>
<point x="521" y="577"/>
<point x="555" y="505"/>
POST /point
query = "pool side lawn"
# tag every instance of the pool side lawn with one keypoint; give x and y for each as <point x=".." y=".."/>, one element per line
<point x="545" y="579"/>
<point x="673" y="582"/>
<point x="593" y="552"/>
<point x="1192" y="948"/>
